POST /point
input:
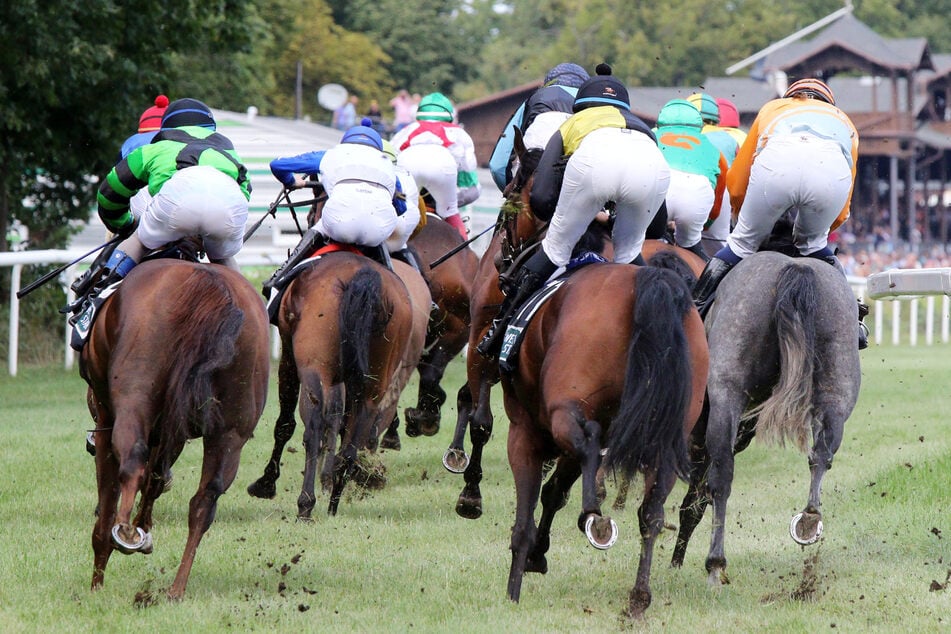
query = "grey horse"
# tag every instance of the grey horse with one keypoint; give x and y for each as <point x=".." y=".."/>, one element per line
<point x="784" y="367"/>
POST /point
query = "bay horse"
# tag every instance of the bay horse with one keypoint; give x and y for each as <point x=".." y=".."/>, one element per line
<point x="635" y="388"/>
<point x="180" y="351"/>
<point x="784" y="366"/>
<point x="517" y="231"/>
<point x="450" y="283"/>
<point x="351" y="335"/>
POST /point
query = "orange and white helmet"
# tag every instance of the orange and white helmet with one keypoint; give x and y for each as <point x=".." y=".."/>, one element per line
<point x="812" y="88"/>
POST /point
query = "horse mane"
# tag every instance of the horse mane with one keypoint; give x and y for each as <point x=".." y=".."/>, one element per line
<point x="788" y="412"/>
<point x="204" y="334"/>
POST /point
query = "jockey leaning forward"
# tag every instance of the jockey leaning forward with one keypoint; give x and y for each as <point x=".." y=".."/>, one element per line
<point x="198" y="187"/>
<point x="364" y="198"/>
<point x="542" y="113"/>
<point x="602" y="154"/>
<point x="800" y="156"/>
<point x="721" y="122"/>
<point x="697" y="173"/>
<point x="441" y="157"/>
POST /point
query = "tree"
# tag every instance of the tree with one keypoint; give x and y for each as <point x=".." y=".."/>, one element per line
<point x="73" y="80"/>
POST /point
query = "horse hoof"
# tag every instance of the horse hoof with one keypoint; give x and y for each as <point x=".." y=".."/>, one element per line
<point x="143" y="545"/>
<point x="91" y="444"/>
<point x="808" y="532"/>
<point x="469" y="509"/>
<point x="601" y="531"/>
<point x="261" y="489"/>
<point x="391" y="441"/>
<point x="455" y="461"/>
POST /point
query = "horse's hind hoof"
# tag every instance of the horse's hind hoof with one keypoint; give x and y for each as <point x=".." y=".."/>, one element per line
<point x="455" y="460"/>
<point x="263" y="489"/>
<point x="601" y="531"/>
<point x="144" y="544"/>
<point x="469" y="508"/>
<point x="805" y="528"/>
<point x="391" y="441"/>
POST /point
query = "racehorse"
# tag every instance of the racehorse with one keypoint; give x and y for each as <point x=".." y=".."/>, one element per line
<point x="517" y="232"/>
<point x="450" y="283"/>
<point x="635" y="388"/>
<point x="348" y="339"/>
<point x="784" y="366"/>
<point x="180" y="351"/>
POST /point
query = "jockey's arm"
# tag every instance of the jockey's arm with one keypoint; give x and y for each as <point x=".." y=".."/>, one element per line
<point x="548" y="177"/>
<point x="285" y="169"/>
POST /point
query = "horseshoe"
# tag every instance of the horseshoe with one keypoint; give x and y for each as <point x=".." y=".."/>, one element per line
<point x="803" y="542"/>
<point x="589" y="523"/>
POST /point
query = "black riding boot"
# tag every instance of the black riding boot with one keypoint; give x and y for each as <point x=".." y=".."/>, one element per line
<point x="529" y="279"/>
<point x="83" y="285"/>
<point x="705" y="288"/>
<point x="698" y="250"/>
<point x="309" y="242"/>
<point x="863" y="307"/>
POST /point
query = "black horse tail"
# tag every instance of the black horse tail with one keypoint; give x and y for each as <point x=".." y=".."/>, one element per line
<point x="206" y="325"/>
<point x="787" y="413"/>
<point x="648" y="432"/>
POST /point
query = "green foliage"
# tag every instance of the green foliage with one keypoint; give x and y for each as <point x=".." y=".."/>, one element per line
<point x="73" y="80"/>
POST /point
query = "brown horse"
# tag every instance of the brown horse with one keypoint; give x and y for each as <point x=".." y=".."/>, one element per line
<point x="450" y="283"/>
<point x="180" y="351"/>
<point x="635" y="388"/>
<point x="348" y="339"/>
<point x="517" y="231"/>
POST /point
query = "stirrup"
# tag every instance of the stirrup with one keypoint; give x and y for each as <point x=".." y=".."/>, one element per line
<point x="491" y="343"/>
<point x="863" y="336"/>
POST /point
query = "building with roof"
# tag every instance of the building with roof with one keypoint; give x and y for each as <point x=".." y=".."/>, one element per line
<point x="895" y="91"/>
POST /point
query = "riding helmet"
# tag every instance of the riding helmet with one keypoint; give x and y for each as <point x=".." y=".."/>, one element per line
<point x="729" y="115"/>
<point x="811" y="88"/>
<point x="603" y="89"/>
<point x="151" y="119"/>
<point x="435" y="107"/>
<point x="566" y="74"/>
<point x="707" y="106"/>
<point x="679" y="112"/>
<point x="188" y="112"/>
<point x="363" y="135"/>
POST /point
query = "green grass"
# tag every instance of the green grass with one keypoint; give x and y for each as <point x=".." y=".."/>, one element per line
<point x="402" y="560"/>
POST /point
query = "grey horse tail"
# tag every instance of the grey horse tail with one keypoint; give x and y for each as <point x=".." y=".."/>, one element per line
<point x="788" y="413"/>
<point x="647" y="432"/>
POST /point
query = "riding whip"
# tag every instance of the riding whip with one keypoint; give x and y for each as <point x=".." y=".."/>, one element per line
<point x="455" y="250"/>
<point x="26" y="290"/>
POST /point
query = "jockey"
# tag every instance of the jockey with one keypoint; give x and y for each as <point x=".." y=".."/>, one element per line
<point x="364" y="198"/>
<point x="408" y="222"/>
<point x="602" y="154"/>
<point x="441" y="157"/>
<point x="198" y="187"/>
<point x="697" y="172"/>
<point x="542" y="113"/>
<point x="800" y="155"/>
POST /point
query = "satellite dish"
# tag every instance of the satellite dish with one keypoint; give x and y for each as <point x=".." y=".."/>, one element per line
<point x="332" y="96"/>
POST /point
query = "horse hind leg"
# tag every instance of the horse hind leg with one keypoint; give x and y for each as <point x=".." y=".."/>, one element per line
<point x="695" y="501"/>
<point x="585" y="443"/>
<point x="107" y="476"/>
<point x="219" y="467"/>
<point x="424" y="418"/>
<point x="455" y="460"/>
<point x="806" y="527"/>
<point x="554" y="497"/>
<point x="526" y="465"/>
<point x="132" y="451"/>
<point x="650" y="516"/>
<point x="469" y="504"/>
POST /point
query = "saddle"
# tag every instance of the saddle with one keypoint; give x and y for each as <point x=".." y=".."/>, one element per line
<point x="515" y="331"/>
<point x="85" y="309"/>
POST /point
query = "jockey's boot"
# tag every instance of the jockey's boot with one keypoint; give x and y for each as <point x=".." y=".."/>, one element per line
<point x="83" y="284"/>
<point x="118" y="266"/>
<point x="705" y="288"/>
<point x="698" y="250"/>
<point x="309" y="242"/>
<point x="379" y="254"/>
<point x="830" y="258"/>
<point x="529" y="279"/>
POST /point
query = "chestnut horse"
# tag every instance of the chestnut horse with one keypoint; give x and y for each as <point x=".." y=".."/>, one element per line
<point x="635" y="388"/>
<point x="450" y="283"/>
<point x="180" y="351"/>
<point x="351" y="335"/>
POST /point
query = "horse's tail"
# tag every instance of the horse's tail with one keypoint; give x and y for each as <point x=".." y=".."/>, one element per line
<point x="647" y="431"/>
<point x="788" y="412"/>
<point x="204" y="328"/>
<point x="671" y="261"/>
<point x="362" y="315"/>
